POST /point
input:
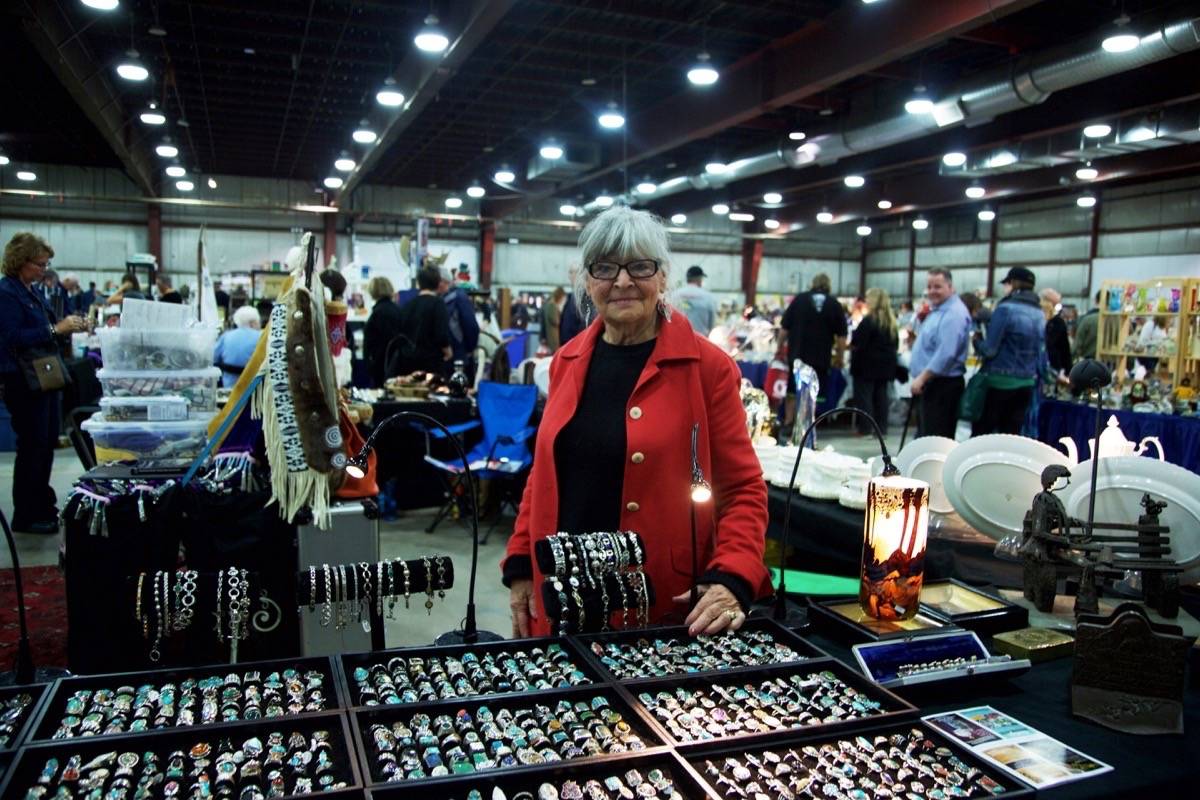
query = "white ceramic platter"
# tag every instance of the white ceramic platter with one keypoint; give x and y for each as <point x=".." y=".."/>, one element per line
<point x="991" y="480"/>
<point x="1121" y="482"/>
<point x="924" y="459"/>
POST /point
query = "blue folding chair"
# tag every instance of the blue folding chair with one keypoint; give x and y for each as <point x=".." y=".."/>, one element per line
<point x="503" y="454"/>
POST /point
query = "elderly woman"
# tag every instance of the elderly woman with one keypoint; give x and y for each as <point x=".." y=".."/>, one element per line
<point x="236" y="346"/>
<point x="614" y="446"/>
<point x="382" y="326"/>
<point x="26" y="321"/>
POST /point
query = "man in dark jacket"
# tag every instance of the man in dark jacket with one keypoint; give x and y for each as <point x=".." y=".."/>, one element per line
<point x="464" y="328"/>
<point x="813" y="322"/>
<point x="1058" y="341"/>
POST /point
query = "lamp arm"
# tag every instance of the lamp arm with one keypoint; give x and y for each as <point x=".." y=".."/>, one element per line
<point x="24" y="665"/>
<point x="888" y="469"/>
<point x="470" y="630"/>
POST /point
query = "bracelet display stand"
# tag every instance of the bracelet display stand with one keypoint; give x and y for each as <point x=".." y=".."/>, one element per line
<point x="361" y="593"/>
<point x="590" y="577"/>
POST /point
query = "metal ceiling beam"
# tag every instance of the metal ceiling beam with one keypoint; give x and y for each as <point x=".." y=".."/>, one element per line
<point x="853" y="40"/>
<point x="479" y="21"/>
<point x="45" y="25"/>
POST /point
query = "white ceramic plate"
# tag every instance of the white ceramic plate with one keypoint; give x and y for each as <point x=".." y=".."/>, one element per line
<point x="991" y="480"/>
<point x="923" y="459"/>
<point x="1121" y="482"/>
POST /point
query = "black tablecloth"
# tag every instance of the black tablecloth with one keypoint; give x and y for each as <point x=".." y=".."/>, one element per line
<point x="1180" y="436"/>
<point x="401" y="449"/>
<point x="827" y="537"/>
<point x="1143" y="766"/>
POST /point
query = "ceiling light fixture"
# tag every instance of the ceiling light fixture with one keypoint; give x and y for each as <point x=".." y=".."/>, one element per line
<point x="1005" y="158"/>
<point x="919" y="103"/>
<point x="212" y="183"/>
<point x="954" y="159"/>
<point x="1142" y="132"/>
<point x="1122" y="41"/>
<point x="703" y="73"/>
<point x="333" y="182"/>
<point x="176" y="171"/>
<point x="344" y="163"/>
<point x="740" y="216"/>
<point x="604" y="200"/>
<point x="101" y="5"/>
<point x="863" y="230"/>
<point x="611" y="118"/>
<point x="646" y="187"/>
<point x="920" y="224"/>
<point x="476" y="191"/>
<point x="772" y="197"/>
<point x="184" y="186"/>
<point x="884" y="205"/>
<point x="716" y="167"/>
<point x="986" y="215"/>
<point x="389" y="95"/>
<point x="131" y="67"/>
<point x="454" y="202"/>
<point x="770" y="224"/>
<point x="504" y="175"/>
<point x="152" y="116"/>
<point x="975" y="191"/>
<point x="3" y="161"/>
<point x="854" y="181"/>
<point x="824" y="216"/>
<point x="1086" y="201"/>
<point x="431" y="39"/>
<point x="678" y="219"/>
<point x="26" y="175"/>
<point x="551" y="150"/>
<point x="1097" y="131"/>
<point x="1087" y="172"/>
<point x="720" y="209"/>
<point x="797" y="136"/>
<point x="166" y="149"/>
<point x="364" y="134"/>
<point x="567" y="210"/>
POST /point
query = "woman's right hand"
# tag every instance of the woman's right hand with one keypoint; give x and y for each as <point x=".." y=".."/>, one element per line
<point x="70" y="324"/>
<point x="524" y="608"/>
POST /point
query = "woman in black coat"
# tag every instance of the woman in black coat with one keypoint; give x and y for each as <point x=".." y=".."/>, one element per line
<point x="873" y="359"/>
<point x="382" y="326"/>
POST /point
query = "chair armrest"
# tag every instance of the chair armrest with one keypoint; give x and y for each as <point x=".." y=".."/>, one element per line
<point x="519" y="436"/>
<point x="436" y="433"/>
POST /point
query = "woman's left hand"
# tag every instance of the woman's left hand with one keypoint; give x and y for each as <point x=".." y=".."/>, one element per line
<point x="715" y="611"/>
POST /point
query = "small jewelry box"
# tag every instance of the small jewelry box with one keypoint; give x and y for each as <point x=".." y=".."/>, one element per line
<point x="956" y="655"/>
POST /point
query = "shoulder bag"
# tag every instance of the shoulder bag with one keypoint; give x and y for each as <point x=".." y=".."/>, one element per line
<point x="42" y="363"/>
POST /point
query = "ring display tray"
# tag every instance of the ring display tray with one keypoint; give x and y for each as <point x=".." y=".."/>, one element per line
<point x="658" y="639"/>
<point x="21" y="731"/>
<point x="529" y="779"/>
<point x="964" y="606"/>
<point x="32" y="759"/>
<point x="716" y="753"/>
<point x="349" y="662"/>
<point x="891" y="706"/>
<point x="54" y="709"/>
<point x="364" y="718"/>
<point x="940" y="659"/>
<point x="843" y="618"/>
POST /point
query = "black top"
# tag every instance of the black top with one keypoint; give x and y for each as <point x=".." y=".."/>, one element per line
<point x="589" y="453"/>
<point x="872" y="352"/>
<point x="812" y="321"/>
<point x="382" y="326"/>
<point x="426" y="324"/>
<point x="1058" y="344"/>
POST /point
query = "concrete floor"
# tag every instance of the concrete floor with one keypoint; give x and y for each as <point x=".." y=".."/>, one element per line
<point x="404" y="538"/>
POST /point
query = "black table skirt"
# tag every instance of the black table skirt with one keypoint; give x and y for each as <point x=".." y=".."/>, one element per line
<point x="401" y="449"/>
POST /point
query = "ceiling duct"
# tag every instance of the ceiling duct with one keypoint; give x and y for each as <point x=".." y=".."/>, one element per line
<point x="1027" y="83"/>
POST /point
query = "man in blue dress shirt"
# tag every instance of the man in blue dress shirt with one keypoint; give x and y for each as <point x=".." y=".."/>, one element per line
<point x="939" y="357"/>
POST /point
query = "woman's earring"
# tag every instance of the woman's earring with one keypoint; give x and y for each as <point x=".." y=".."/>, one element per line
<point x="661" y="305"/>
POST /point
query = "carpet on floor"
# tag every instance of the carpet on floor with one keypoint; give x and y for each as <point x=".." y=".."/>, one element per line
<point x="45" y="614"/>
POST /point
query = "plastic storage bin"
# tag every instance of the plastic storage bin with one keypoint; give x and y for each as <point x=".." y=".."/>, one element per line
<point x="169" y="408"/>
<point x="157" y="349"/>
<point x="120" y="441"/>
<point x="199" y="386"/>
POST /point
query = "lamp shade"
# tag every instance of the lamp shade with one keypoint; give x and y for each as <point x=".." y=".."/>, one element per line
<point x="895" y="528"/>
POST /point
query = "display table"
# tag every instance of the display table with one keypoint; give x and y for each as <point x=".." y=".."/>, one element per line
<point x="756" y="373"/>
<point x="1180" y="436"/>
<point x="827" y="537"/>
<point x="400" y="448"/>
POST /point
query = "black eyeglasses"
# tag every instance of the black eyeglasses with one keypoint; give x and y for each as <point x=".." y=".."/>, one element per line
<point x="609" y="270"/>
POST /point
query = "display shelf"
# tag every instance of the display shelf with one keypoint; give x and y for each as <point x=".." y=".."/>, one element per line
<point x="778" y="633"/>
<point x="54" y="707"/>
<point x="697" y="756"/>
<point x="363" y="718"/>
<point x="892" y="706"/>
<point x="349" y="662"/>
<point x="38" y="693"/>
<point x="32" y="758"/>
<point x="965" y="606"/>
<point x="528" y="779"/>
<point x="1135" y="299"/>
<point x="842" y="618"/>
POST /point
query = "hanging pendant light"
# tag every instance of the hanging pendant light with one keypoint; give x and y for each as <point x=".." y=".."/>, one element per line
<point x="703" y="73"/>
<point x="1122" y="40"/>
<point x="152" y="116"/>
<point x="389" y="95"/>
<point x="131" y="68"/>
<point x="430" y="39"/>
<point x="611" y="118"/>
<point x="920" y="102"/>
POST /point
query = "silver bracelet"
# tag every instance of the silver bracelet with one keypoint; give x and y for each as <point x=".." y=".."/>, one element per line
<point x="327" y="606"/>
<point x="312" y="589"/>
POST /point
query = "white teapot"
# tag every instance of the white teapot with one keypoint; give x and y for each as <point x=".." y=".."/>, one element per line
<point x="1113" y="443"/>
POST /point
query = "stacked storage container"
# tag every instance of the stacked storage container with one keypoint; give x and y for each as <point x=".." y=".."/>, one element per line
<point x="160" y="392"/>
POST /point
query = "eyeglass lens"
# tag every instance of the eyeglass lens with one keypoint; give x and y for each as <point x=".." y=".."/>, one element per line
<point x="608" y="270"/>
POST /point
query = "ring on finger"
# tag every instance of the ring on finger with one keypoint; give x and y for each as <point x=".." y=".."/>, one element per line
<point x="731" y="614"/>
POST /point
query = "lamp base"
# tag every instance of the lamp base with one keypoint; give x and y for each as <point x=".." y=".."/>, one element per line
<point x="457" y="637"/>
<point x="795" y="615"/>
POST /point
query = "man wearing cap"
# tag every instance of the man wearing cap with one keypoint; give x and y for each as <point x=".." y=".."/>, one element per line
<point x="696" y="302"/>
<point x="939" y="357"/>
<point x="1013" y="352"/>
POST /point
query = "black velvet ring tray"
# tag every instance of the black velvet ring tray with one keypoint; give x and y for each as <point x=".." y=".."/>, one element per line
<point x="364" y="718"/>
<point x="841" y="618"/>
<point x="892" y="706"/>
<point x="350" y="661"/>
<point x="32" y="758"/>
<point x="778" y="633"/>
<point x="54" y="707"/>
<point x="518" y="779"/>
<point x="39" y="692"/>
<point x="696" y="756"/>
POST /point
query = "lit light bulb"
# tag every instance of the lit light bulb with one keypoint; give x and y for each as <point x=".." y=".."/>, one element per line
<point x="476" y="191"/>
<point x="131" y="68"/>
<point x="611" y="118"/>
<point x="212" y="183"/>
<point x="797" y="136"/>
<point x="603" y="200"/>
<point x="1087" y="173"/>
<point x="167" y="150"/>
<point x="954" y="159"/>
<point x="152" y="116"/>
<point x="567" y="210"/>
<point x="344" y="165"/>
<point x="1086" y="201"/>
<point x="854" y="181"/>
<point x="740" y="216"/>
<point x="975" y="192"/>
<point x="986" y="215"/>
<point x="26" y="175"/>
<point x="772" y="197"/>
<point x="365" y="135"/>
<point x="504" y="176"/>
<point x="863" y="230"/>
<point x="771" y="224"/>
<point x="920" y="223"/>
<point x="1097" y="131"/>
<point x="703" y="73"/>
<point x="389" y="95"/>
<point x="101" y="5"/>
<point x="551" y="151"/>
<point x="431" y="39"/>
<point x="715" y="167"/>
<point x="646" y="187"/>
<point x="720" y="209"/>
<point x="678" y="219"/>
<point x="884" y="205"/>
<point x="824" y="217"/>
<point x="333" y="182"/>
<point x="176" y="171"/>
<point x="1120" y="43"/>
<point x="184" y="186"/>
<point x="454" y="202"/>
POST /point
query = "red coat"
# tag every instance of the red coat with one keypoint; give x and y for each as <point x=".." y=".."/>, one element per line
<point x="686" y="380"/>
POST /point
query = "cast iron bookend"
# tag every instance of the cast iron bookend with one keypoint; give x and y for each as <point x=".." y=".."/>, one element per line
<point x="1129" y="672"/>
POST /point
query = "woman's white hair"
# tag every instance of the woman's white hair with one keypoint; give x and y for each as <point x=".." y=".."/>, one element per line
<point x="622" y="234"/>
<point x="246" y="317"/>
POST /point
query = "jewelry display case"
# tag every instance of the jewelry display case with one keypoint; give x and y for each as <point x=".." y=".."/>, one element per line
<point x="844" y="619"/>
<point x="957" y="656"/>
<point x="968" y="607"/>
<point x="19" y="709"/>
